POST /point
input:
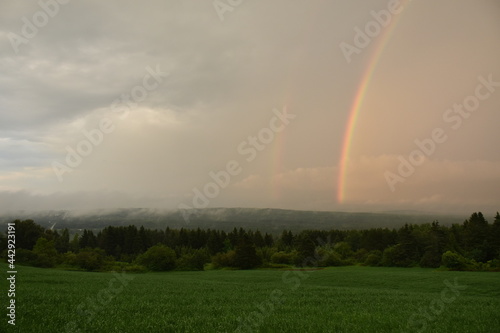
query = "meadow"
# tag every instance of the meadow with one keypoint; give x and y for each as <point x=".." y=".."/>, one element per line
<point x="340" y="299"/>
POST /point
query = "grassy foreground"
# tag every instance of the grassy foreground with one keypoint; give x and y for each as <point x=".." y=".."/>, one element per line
<point x="343" y="299"/>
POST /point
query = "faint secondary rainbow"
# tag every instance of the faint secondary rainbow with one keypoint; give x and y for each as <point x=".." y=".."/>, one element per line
<point x="279" y="146"/>
<point x="358" y="104"/>
<point x="278" y="155"/>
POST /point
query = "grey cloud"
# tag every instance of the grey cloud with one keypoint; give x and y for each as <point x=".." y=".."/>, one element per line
<point x="224" y="80"/>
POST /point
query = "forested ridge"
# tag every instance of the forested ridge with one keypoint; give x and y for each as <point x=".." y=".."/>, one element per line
<point x="270" y="220"/>
<point x="472" y="245"/>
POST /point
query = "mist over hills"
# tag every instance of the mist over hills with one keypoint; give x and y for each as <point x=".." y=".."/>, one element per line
<point x="266" y="220"/>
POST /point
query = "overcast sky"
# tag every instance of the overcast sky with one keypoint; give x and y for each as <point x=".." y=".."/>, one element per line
<point x="172" y="92"/>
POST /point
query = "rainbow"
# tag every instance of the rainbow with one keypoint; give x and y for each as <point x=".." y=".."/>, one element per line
<point x="277" y="163"/>
<point x="357" y="104"/>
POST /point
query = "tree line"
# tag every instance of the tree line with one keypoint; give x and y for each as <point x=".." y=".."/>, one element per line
<point x="472" y="245"/>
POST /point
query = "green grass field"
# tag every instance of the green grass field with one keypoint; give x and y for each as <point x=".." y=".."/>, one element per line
<point x="344" y="299"/>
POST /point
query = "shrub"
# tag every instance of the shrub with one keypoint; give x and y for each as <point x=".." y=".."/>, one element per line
<point x="343" y="249"/>
<point x="282" y="257"/>
<point x="374" y="258"/>
<point x="396" y="256"/>
<point x="158" y="258"/>
<point x="91" y="259"/>
<point x="227" y="259"/>
<point x="454" y="261"/>
<point x="477" y="254"/>
<point x="388" y="257"/>
<point x="277" y="266"/>
<point x="493" y="265"/>
<point x="430" y="259"/>
<point x="69" y="258"/>
<point x="193" y="261"/>
<point x="134" y="269"/>
<point x="329" y="258"/>
<point x="361" y="255"/>
<point x="25" y="257"/>
<point x="266" y="253"/>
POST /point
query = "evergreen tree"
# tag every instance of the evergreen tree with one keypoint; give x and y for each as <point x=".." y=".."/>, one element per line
<point x="88" y="239"/>
<point x="3" y="242"/>
<point x="62" y="242"/>
<point x="246" y="254"/>
<point x="495" y="237"/>
<point x="74" y="245"/>
<point x="475" y="238"/>
<point x="305" y="246"/>
<point x="214" y="243"/>
<point x="268" y="240"/>
<point x="287" y="238"/>
<point x="258" y="240"/>
<point x="145" y="239"/>
<point x="183" y="238"/>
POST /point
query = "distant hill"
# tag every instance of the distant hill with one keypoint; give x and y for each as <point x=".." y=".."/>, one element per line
<point x="266" y="220"/>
